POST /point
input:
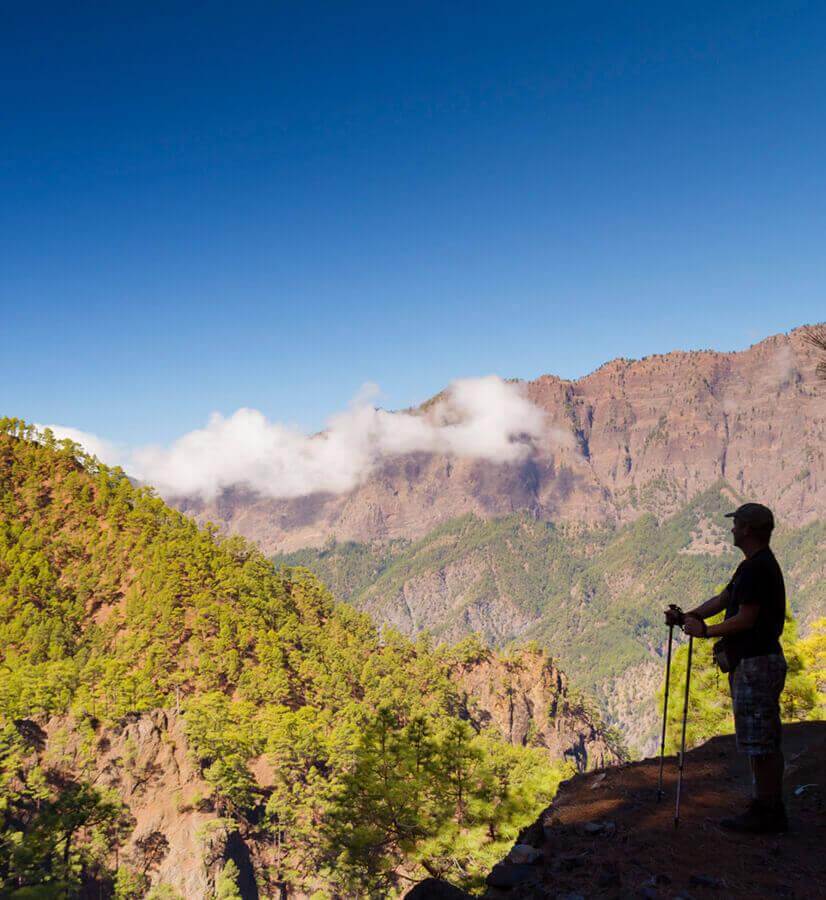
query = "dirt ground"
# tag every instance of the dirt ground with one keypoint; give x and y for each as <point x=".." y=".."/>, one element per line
<point x="606" y="835"/>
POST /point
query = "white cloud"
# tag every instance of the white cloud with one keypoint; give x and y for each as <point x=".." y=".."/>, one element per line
<point x="485" y="418"/>
<point x="104" y="450"/>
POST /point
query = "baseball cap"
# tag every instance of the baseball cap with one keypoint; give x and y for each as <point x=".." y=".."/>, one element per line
<point x="753" y="514"/>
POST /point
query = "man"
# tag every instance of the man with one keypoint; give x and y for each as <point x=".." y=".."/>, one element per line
<point x="755" y="605"/>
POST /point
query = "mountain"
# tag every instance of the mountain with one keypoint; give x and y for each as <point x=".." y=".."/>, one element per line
<point x="593" y="596"/>
<point x="178" y="717"/>
<point x="634" y="436"/>
<point x="580" y="546"/>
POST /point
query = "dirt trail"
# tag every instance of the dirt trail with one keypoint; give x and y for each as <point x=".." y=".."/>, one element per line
<point x="606" y="835"/>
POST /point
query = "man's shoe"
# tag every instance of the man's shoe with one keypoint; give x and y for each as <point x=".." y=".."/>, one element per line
<point x="758" y="819"/>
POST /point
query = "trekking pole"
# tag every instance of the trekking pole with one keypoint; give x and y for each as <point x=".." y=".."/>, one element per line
<point x="685" y="719"/>
<point x="665" y="712"/>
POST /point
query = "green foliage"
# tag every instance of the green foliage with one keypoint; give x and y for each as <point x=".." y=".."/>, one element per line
<point x="130" y="884"/>
<point x="813" y="651"/>
<point x="55" y="832"/>
<point x="595" y="596"/>
<point x="226" y="884"/>
<point x="432" y="796"/>
<point x="112" y="604"/>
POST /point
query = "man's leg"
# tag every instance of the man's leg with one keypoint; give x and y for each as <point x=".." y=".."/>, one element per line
<point x="756" y="691"/>
<point x="768" y="779"/>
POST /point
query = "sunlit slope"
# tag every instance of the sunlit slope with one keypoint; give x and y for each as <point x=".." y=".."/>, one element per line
<point x="113" y="605"/>
<point x="592" y="596"/>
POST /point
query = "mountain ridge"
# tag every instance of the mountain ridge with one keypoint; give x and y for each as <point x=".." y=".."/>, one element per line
<point x="631" y="436"/>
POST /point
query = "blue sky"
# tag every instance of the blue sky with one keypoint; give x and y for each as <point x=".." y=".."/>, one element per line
<point x="204" y="207"/>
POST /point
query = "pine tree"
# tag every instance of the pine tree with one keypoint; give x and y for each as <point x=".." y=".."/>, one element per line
<point x="226" y="884"/>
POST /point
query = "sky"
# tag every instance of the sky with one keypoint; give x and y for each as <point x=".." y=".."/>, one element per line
<point x="206" y="207"/>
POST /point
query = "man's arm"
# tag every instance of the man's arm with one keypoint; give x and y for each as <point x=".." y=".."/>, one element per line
<point x="711" y="607"/>
<point x="745" y="619"/>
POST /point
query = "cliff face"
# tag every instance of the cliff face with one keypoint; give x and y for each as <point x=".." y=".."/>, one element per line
<point x="527" y="700"/>
<point x="180" y="837"/>
<point x="632" y="436"/>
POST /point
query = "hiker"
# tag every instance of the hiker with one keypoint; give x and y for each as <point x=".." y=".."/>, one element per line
<point x="755" y="605"/>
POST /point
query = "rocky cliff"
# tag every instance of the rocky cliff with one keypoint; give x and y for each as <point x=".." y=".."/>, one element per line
<point x="634" y="435"/>
<point x="606" y="835"/>
<point x="179" y="837"/>
<point x="526" y="698"/>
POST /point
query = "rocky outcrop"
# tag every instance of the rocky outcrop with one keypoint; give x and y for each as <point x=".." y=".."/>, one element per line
<point x="179" y="839"/>
<point x="527" y="700"/>
<point x="605" y="834"/>
<point x="634" y="435"/>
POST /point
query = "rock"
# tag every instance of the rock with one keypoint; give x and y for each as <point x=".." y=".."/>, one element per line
<point x="436" y="889"/>
<point x="524" y="853"/>
<point x="506" y="876"/>
<point x="533" y="835"/>
<point x="568" y="861"/>
<point x="598" y="780"/>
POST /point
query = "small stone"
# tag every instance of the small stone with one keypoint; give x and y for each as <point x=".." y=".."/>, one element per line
<point x="598" y="780"/>
<point x="508" y="876"/>
<point x="609" y="878"/>
<point x="657" y="881"/>
<point x="524" y="853"/>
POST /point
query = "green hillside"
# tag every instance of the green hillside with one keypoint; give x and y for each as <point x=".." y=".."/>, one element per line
<point x="593" y="597"/>
<point x="111" y="604"/>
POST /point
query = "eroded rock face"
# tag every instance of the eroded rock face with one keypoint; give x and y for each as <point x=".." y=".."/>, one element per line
<point x="180" y="838"/>
<point x="145" y="760"/>
<point x="527" y="701"/>
<point x="632" y="436"/>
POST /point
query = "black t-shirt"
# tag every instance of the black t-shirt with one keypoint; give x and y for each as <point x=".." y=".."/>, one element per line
<point x="759" y="581"/>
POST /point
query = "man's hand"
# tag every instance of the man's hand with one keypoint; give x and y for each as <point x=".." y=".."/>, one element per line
<point x="673" y="616"/>
<point x="694" y="626"/>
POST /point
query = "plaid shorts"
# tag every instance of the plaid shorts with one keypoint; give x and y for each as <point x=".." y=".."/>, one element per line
<point x="756" y="685"/>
